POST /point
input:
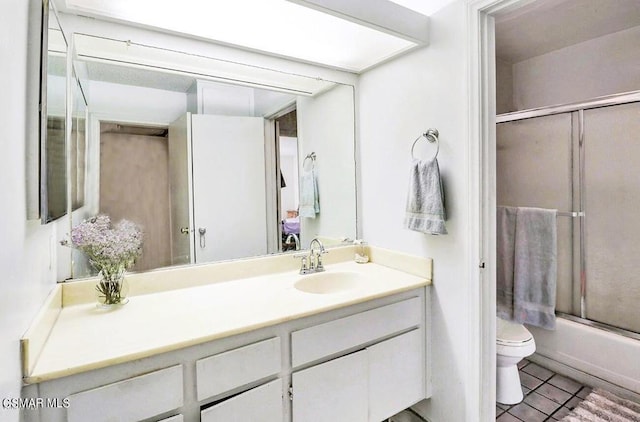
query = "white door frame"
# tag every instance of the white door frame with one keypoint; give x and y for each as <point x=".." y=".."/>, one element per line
<point x="482" y="198"/>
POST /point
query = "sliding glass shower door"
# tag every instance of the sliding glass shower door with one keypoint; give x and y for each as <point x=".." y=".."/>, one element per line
<point x="534" y="169"/>
<point x="585" y="161"/>
<point x="612" y="215"/>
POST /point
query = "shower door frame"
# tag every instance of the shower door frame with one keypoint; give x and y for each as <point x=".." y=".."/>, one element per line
<point x="580" y="107"/>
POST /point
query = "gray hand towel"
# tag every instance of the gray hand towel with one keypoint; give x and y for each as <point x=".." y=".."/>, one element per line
<point x="535" y="267"/>
<point x="309" y="196"/>
<point x="425" y="202"/>
<point x="506" y="243"/>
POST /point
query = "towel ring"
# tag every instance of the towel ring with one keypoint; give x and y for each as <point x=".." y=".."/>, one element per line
<point x="432" y="136"/>
<point x="312" y="157"/>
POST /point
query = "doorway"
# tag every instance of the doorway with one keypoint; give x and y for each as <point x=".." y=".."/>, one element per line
<point x="134" y="185"/>
<point x="288" y="194"/>
<point x="485" y="97"/>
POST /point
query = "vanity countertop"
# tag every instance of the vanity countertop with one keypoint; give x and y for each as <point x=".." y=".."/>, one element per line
<point x="83" y="337"/>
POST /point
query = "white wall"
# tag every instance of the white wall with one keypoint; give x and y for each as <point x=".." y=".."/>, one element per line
<point x="27" y="272"/>
<point x="56" y="93"/>
<point x="134" y="102"/>
<point x="269" y="102"/>
<point x="504" y="89"/>
<point x="326" y="127"/>
<point x="397" y="102"/>
<point x="235" y="100"/>
<point x="225" y="99"/>
<point x="603" y="66"/>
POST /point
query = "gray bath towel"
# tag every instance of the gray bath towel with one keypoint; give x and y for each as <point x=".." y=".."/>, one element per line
<point x="506" y="243"/>
<point x="535" y="267"/>
<point x="425" y="202"/>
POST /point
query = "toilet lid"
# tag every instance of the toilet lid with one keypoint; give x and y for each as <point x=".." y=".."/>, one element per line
<point x="511" y="332"/>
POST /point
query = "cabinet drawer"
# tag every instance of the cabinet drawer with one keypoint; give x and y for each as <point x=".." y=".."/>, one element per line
<point x="261" y="404"/>
<point x="237" y="367"/>
<point x="129" y="400"/>
<point x="331" y="337"/>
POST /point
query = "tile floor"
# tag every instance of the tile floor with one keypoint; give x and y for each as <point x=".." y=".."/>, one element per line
<point x="547" y="396"/>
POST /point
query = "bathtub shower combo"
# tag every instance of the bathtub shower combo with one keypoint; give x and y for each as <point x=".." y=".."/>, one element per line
<point x="584" y="160"/>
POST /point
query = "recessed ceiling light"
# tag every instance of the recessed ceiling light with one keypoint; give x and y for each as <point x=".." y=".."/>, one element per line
<point x="277" y="27"/>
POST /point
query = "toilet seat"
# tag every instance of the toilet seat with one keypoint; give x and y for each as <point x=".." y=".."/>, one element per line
<point x="511" y="334"/>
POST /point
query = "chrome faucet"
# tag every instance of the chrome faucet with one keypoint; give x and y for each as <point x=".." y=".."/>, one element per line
<point x="295" y="239"/>
<point x="312" y="262"/>
<point x="315" y="258"/>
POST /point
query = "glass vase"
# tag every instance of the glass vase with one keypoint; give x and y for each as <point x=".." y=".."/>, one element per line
<point x="112" y="288"/>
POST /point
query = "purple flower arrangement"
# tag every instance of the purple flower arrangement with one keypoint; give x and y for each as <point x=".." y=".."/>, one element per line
<point x="111" y="249"/>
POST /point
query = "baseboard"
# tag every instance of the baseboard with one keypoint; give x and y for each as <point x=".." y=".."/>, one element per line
<point x="583" y="377"/>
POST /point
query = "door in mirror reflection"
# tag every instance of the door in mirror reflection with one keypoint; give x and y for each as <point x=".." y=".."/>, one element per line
<point x="287" y="185"/>
<point x="229" y="187"/>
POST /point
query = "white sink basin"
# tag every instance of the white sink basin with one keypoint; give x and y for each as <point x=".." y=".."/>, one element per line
<point x="329" y="282"/>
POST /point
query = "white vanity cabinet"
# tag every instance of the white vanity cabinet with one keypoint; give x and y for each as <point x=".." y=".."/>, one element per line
<point x="362" y="362"/>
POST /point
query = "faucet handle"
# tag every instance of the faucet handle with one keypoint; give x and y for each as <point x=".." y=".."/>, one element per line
<point x="319" y="266"/>
<point x="361" y="254"/>
<point x="304" y="264"/>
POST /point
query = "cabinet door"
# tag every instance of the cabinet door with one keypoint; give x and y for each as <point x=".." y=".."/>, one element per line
<point x="396" y="375"/>
<point x="261" y="404"/>
<point x="332" y="391"/>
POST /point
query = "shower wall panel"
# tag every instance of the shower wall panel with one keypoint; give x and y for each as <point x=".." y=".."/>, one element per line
<point x="612" y="222"/>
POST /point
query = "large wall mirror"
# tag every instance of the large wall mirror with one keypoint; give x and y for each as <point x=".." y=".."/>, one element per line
<point x="215" y="160"/>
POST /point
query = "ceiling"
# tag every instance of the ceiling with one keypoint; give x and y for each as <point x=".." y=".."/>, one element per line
<point x="547" y="25"/>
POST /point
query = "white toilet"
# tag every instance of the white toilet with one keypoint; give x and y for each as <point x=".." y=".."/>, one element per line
<point x="514" y="342"/>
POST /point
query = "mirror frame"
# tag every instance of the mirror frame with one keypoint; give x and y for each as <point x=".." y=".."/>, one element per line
<point x="48" y="7"/>
<point x="42" y="108"/>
